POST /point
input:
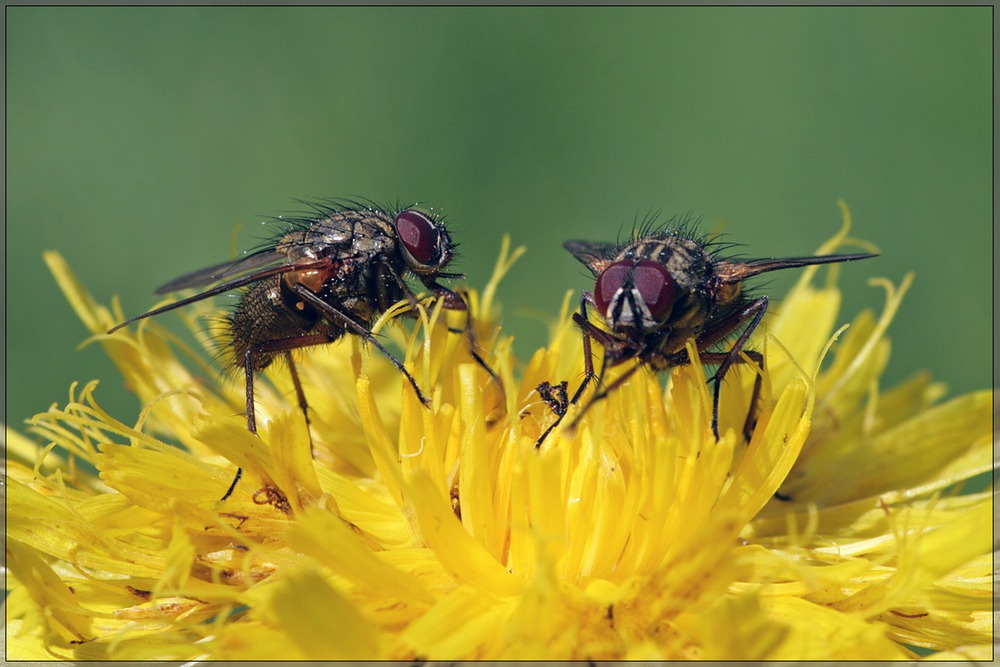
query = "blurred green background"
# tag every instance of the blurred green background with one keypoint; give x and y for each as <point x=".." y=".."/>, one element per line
<point x="137" y="138"/>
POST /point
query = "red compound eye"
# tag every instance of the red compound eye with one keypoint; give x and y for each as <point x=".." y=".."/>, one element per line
<point x="657" y="288"/>
<point x="609" y="282"/>
<point x="419" y="235"/>
<point x="654" y="283"/>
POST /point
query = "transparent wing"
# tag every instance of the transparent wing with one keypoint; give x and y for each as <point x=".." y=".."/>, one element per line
<point x="249" y="263"/>
<point x="595" y="255"/>
<point x="734" y="272"/>
<point x="247" y="277"/>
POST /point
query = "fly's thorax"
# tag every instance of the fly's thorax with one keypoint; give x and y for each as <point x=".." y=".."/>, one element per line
<point x="360" y="267"/>
<point x="684" y="259"/>
<point x="341" y="235"/>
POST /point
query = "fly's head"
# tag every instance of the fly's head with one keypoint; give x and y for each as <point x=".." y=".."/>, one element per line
<point x="634" y="295"/>
<point x="424" y="243"/>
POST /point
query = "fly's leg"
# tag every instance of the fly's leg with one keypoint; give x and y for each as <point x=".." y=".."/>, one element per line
<point x="588" y="357"/>
<point x="713" y="358"/>
<point x="588" y="331"/>
<point x="602" y="394"/>
<point x="335" y="315"/>
<point x="232" y="485"/>
<point x="286" y="345"/>
<point x="301" y="396"/>
<point x="454" y="301"/>
<point x="753" y="311"/>
<point x="270" y="347"/>
<point x="751" y="421"/>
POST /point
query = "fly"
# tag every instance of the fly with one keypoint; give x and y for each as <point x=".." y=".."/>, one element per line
<point x="662" y="288"/>
<point x="326" y="275"/>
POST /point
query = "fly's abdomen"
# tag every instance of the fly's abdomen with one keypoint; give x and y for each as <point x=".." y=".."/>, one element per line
<point x="267" y="312"/>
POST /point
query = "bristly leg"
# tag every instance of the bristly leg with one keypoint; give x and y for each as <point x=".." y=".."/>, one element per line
<point x="343" y="319"/>
<point x="753" y="311"/>
<point x="470" y="331"/>
<point x="588" y="372"/>
<point x="285" y="346"/>
<point x="300" y="395"/>
<point x="719" y="358"/>
<point x="456" y="302"/>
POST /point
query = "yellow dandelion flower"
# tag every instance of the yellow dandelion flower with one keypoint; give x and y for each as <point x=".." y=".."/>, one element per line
<point x="840" y="531"/>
